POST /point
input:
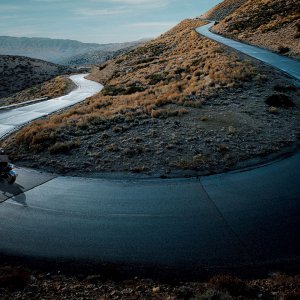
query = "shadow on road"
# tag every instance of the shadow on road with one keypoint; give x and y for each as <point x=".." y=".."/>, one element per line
<point x="12" y="190"/>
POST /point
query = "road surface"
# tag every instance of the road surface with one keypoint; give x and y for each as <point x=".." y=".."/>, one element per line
<point x="234" y="219"/>
<point x="13" y="119"/>
<point x="283" y="63"/>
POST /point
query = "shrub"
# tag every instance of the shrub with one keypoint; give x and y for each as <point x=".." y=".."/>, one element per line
<point x="229" y="283"/>
<point x="155" y="78"/>
<point x="133" y="89"/>
<point x="280" y="100"/>
<point x="62" y="147"/>
<point x="283" y="49"/>
<point x="212" y="294"/>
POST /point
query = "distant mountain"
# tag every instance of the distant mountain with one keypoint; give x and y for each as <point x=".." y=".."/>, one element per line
<point x="54" y="50"/>
<point x="18" y="73"/>
<point x="98" y="57"/>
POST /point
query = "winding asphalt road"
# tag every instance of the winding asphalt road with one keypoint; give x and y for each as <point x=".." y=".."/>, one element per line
<point x="13" y="119"/>
<point x="234" y="219"/>
<point x="283" y="63"/>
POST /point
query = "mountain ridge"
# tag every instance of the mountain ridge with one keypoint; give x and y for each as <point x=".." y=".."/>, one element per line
<point x="54" y="50"/>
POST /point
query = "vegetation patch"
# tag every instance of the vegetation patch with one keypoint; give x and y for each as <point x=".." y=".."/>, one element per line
<point x="280" y="100"/>
<point x="271" y="24"/>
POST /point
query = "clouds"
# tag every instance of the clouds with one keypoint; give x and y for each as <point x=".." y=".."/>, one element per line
<point x="6" y="8"/>
<point x="86" y="12"/>
<point x="101" y="21"/>
<point x="118" y="7"/>
<point x="162" y="25"/>
<point x="146" y="4"/>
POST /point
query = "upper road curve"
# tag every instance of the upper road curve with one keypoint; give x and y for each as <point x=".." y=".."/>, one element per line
<point x="285" y="64"/>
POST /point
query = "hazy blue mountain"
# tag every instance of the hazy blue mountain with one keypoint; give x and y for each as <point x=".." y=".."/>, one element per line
<point x="97" y="57"/>
<point x="54" y="50"/>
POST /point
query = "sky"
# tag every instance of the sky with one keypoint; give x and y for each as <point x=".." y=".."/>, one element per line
<point x="96" y="21"/>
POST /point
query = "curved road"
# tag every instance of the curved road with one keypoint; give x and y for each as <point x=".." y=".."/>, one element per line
<point x="283" y="63"/>
<point x="13" y="119"/>
<point x="239" y="218"/>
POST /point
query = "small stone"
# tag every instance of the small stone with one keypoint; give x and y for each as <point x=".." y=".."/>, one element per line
<point x="231" y="130"/>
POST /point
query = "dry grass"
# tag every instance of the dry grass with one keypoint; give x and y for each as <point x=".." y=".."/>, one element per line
<point x="272" y="24"/>
<point x="223" y="9"/>
<point x="18" y="73"/>
<point x="53" y="88"/>
<point x="161" y="79"/>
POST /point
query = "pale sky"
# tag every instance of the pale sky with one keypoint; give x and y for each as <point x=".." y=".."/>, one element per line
<point x="98" y="21"/>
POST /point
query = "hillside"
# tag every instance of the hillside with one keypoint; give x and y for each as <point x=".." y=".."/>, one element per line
<point x="18" y="73"/>
<point x="52" y="88"/>
<point x="271" y="24"/>
<point x="223" y="9"/>
<point x="180" y="104"/>
<point x="55" y="50"/>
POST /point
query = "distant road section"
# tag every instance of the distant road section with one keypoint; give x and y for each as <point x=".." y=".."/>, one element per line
<point x="288" y="65"/>
<point x="12" y="119"/>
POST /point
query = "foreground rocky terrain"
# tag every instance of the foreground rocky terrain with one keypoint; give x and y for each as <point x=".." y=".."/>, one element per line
<point x="21" y="283"/>
<point x="271" y="24"/>
<point x="180" y="104"/>
<point x="18" y="73"/>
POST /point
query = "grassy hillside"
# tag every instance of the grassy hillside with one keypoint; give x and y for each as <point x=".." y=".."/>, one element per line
<point x="52" y="88"/>
<point x="18" y="73"/>
<point x="180" y="103"/>
<point x="272" y="24"/>
<point x="223" y="9"/>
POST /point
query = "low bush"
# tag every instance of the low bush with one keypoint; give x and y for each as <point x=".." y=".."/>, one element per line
<point x="63" y="147"/>
<point x="280" y="100"/>
<point x="283" y="49"/>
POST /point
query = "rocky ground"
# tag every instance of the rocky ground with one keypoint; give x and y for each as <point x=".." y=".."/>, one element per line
<point x="21" y="283"/>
